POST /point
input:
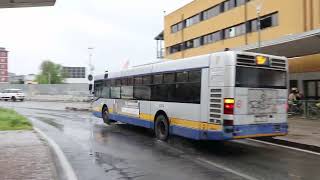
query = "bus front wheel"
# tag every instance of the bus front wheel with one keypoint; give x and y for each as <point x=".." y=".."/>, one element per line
<point x="162" y="128"/>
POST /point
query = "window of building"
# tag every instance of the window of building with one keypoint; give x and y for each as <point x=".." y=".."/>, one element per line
<point x="312" y="89"/>
<point x="197" y="42"/>
<point x="211" y="38"/>
<point x="174" y="28"/>
<point x="293" y="84"/>
<point x="175" y="48"/>
<point x="240" y="29"/>
<point x="3" y="54"/>
<point x="247" y="27"/>
<point x="230" y="32"/>
<point x="240" y="2"/>
<point x="212" y="12"/>
<point x="229" y="4"/>
<point x="266" y="22"/>
<point x="189" y="44"/>
<point x="193" y="20"/>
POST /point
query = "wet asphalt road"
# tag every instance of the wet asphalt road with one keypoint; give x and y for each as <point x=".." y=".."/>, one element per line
<point x="121" y="151"/>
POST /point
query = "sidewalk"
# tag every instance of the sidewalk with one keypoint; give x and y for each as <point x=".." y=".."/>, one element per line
<point x="24" y="156"/>
<point x="303" y="131"/>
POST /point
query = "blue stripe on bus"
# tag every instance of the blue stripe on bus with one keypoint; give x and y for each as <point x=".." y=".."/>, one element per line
<point x="131" y="120"/>
<point x="97" y="114"/>
<point x="197" y="134"/>
<point x="245" y="130"/>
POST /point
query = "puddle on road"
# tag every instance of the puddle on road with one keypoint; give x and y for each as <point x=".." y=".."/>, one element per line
<point x="116" y="168"/>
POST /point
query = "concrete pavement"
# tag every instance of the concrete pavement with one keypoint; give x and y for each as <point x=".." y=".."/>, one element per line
<point x="24" y="156"/>
<point x="305" y="132"/>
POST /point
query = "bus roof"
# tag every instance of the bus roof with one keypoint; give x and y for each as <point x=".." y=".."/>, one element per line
<point x="197" y="62"/>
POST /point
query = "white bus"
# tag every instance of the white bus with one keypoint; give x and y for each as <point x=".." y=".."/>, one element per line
<point x="221" y="96"/>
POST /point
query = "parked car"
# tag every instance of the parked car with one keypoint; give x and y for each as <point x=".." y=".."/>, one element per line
<point x="12" y="94"/>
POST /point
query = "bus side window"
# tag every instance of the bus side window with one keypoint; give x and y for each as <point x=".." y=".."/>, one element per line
<point x="106" y="89"/>
<point x="142" y="89"/>
<point x="115" y="90"/>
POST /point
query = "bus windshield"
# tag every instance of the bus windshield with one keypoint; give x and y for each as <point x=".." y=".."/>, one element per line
<point x="260" y="78"/>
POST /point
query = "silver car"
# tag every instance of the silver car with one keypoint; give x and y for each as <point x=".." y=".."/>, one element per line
<point x="12" y="94"/>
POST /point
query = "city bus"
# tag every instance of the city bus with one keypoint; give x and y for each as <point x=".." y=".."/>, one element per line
<point x="220" y="96"/>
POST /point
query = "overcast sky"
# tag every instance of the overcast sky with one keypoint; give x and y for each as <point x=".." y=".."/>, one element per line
<point x="118" y="29"/>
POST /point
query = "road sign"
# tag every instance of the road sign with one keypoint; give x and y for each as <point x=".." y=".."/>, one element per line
<point x="90" y="77"/>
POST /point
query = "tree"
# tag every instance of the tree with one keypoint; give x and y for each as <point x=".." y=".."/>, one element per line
<point x="50" y="73"/>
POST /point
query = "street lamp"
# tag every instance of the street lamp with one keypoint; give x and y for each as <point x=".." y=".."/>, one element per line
<point x="91" y="69"/>
<point x="258" y="11"/>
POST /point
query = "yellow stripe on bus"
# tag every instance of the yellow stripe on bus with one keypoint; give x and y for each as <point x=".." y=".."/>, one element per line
<point x="147" y="117"/>
<point x="194" y="124"/>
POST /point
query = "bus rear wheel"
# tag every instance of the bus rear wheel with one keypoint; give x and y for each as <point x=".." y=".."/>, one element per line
<point x="161" y="128"/>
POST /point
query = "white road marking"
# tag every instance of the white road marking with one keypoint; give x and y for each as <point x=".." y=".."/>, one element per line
<point x="67" y="168"/>
<point x="283" y="146"/>
<point x="227" y="169"/>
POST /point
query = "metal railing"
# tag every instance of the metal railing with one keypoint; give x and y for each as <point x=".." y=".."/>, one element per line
<point x="305" y="108"/>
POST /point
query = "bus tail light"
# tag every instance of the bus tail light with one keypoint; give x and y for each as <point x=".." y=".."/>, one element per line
<point x="228" y="106"/>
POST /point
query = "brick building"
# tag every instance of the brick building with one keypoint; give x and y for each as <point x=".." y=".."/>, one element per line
<point x="4" y="66"/>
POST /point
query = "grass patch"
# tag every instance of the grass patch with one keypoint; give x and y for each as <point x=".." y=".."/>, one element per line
<point x="11" y="120"/>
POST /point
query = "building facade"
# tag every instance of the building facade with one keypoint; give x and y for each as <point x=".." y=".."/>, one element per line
<point x="4" y="77"/>
<point x="207" y="26"/>
<point x="75" y="74"/>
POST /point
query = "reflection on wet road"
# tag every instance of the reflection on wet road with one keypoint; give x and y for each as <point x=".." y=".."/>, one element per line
<point x="122" y="151"/>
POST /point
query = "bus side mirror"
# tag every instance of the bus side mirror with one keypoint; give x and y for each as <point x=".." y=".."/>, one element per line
<point x="93" y="92"/>
<point x="90" y="87"/>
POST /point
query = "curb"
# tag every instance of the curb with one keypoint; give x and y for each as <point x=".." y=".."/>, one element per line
<point x="63" y="161"/>
<point x="290" y="144"/>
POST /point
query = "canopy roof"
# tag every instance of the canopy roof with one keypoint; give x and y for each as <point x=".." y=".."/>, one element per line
<point x="296" y="45"/>
<point x="25" y="3"/>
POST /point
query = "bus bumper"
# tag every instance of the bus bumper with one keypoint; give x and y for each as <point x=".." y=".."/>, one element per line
<point x="260" y="130"/>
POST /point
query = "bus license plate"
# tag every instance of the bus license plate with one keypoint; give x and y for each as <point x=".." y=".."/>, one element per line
<point x="261" y="119"/>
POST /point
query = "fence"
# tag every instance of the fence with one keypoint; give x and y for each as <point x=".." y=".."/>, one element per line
<point x="52" y="92"/>
<point x="305" y="108"/>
